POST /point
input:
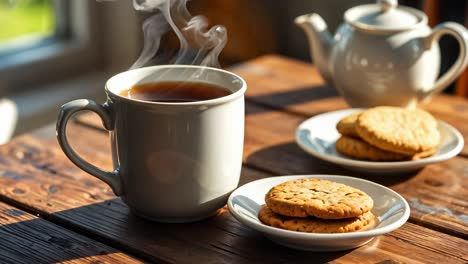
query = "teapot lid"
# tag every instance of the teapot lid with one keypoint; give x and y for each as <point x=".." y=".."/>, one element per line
<point x="386" y="15"/>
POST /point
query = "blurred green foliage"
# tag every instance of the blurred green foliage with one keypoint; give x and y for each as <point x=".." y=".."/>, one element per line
<point x="26" y="17"/>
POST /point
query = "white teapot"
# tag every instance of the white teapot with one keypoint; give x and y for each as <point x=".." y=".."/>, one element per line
<point x="384" y="54"/>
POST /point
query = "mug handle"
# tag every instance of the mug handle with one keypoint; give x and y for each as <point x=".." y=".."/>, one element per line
<point x="112" y="178"/>
<point x="460" y="33"/>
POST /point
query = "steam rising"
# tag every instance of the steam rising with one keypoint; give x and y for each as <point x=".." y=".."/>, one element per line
<point x="198" y="44"/>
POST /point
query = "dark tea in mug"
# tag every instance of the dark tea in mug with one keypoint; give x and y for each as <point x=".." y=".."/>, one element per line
<point x="173" y="162"/>
<point x="175" y="92"/>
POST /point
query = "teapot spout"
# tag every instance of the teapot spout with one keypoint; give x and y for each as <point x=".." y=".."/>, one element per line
<point x="320" y="41"/>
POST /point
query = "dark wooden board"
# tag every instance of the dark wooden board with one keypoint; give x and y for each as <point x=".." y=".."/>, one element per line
<point x="25" y="238"/>
<point x="297" y="87"/>
<point x="43" y="180"/>
<point x="270" y="146"/>
<point x="437" y="193"/>
<point x="37" y="177"/>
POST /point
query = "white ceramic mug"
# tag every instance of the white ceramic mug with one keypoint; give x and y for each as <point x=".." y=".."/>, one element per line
<point x="174" y="162"/>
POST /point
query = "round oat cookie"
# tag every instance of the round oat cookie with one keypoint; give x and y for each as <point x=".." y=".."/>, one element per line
<point x="315" y="225"/>
<point x="358" y="149"/>
<point x="316" y="197"/>
<point x="346" y="126"/>
<point x="423" y="154"/>
<point x="398" y="130"/>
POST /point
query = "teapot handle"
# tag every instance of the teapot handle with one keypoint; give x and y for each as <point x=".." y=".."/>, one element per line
<point x="460" y="33"/>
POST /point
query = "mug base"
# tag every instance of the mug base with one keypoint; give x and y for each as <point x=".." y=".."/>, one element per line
<point x="174" y="220"/>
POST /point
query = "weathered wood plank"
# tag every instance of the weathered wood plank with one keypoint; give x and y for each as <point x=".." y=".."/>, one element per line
<point x="25" y="238"/>
<point x="74" y="199"/>
<point x="63" y="193"/>
<point x="297" y="87"/>
<point x="270" y="146"/>
<point x="289" y="85"/>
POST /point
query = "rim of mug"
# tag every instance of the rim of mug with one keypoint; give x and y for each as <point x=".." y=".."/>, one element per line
<point x="227" y="98"/>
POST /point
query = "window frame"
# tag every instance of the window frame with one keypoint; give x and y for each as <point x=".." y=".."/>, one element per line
<point x="100" y="39"/>
<point x="73" y="49"/>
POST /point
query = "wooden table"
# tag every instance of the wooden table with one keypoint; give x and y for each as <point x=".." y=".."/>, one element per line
<point x="52" y="211"/>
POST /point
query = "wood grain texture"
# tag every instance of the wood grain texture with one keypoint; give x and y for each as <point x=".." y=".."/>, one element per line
<point x="297" y="87"/>
<point x="61" y="193"/>
<point x="25" y="238"/>
<point x="36" y="176"/>
<point x="289" y="85"/>
<point x="270" y="146"/>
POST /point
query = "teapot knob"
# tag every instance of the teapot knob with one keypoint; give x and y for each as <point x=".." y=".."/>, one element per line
<point x="387" y="5"/>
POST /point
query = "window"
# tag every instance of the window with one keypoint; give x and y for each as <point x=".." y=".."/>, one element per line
<point x="25" y="22"/>
<point x="45" y="37"/>
<point x="66" y="51"/>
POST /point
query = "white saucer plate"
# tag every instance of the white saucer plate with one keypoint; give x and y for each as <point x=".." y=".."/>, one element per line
<point x="391" y="210"/>
<point x="317" y="136"/>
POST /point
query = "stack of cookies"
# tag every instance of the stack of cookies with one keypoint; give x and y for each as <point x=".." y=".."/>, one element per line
<point x="388" y="134"/>
<point x="317" y="206"/>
